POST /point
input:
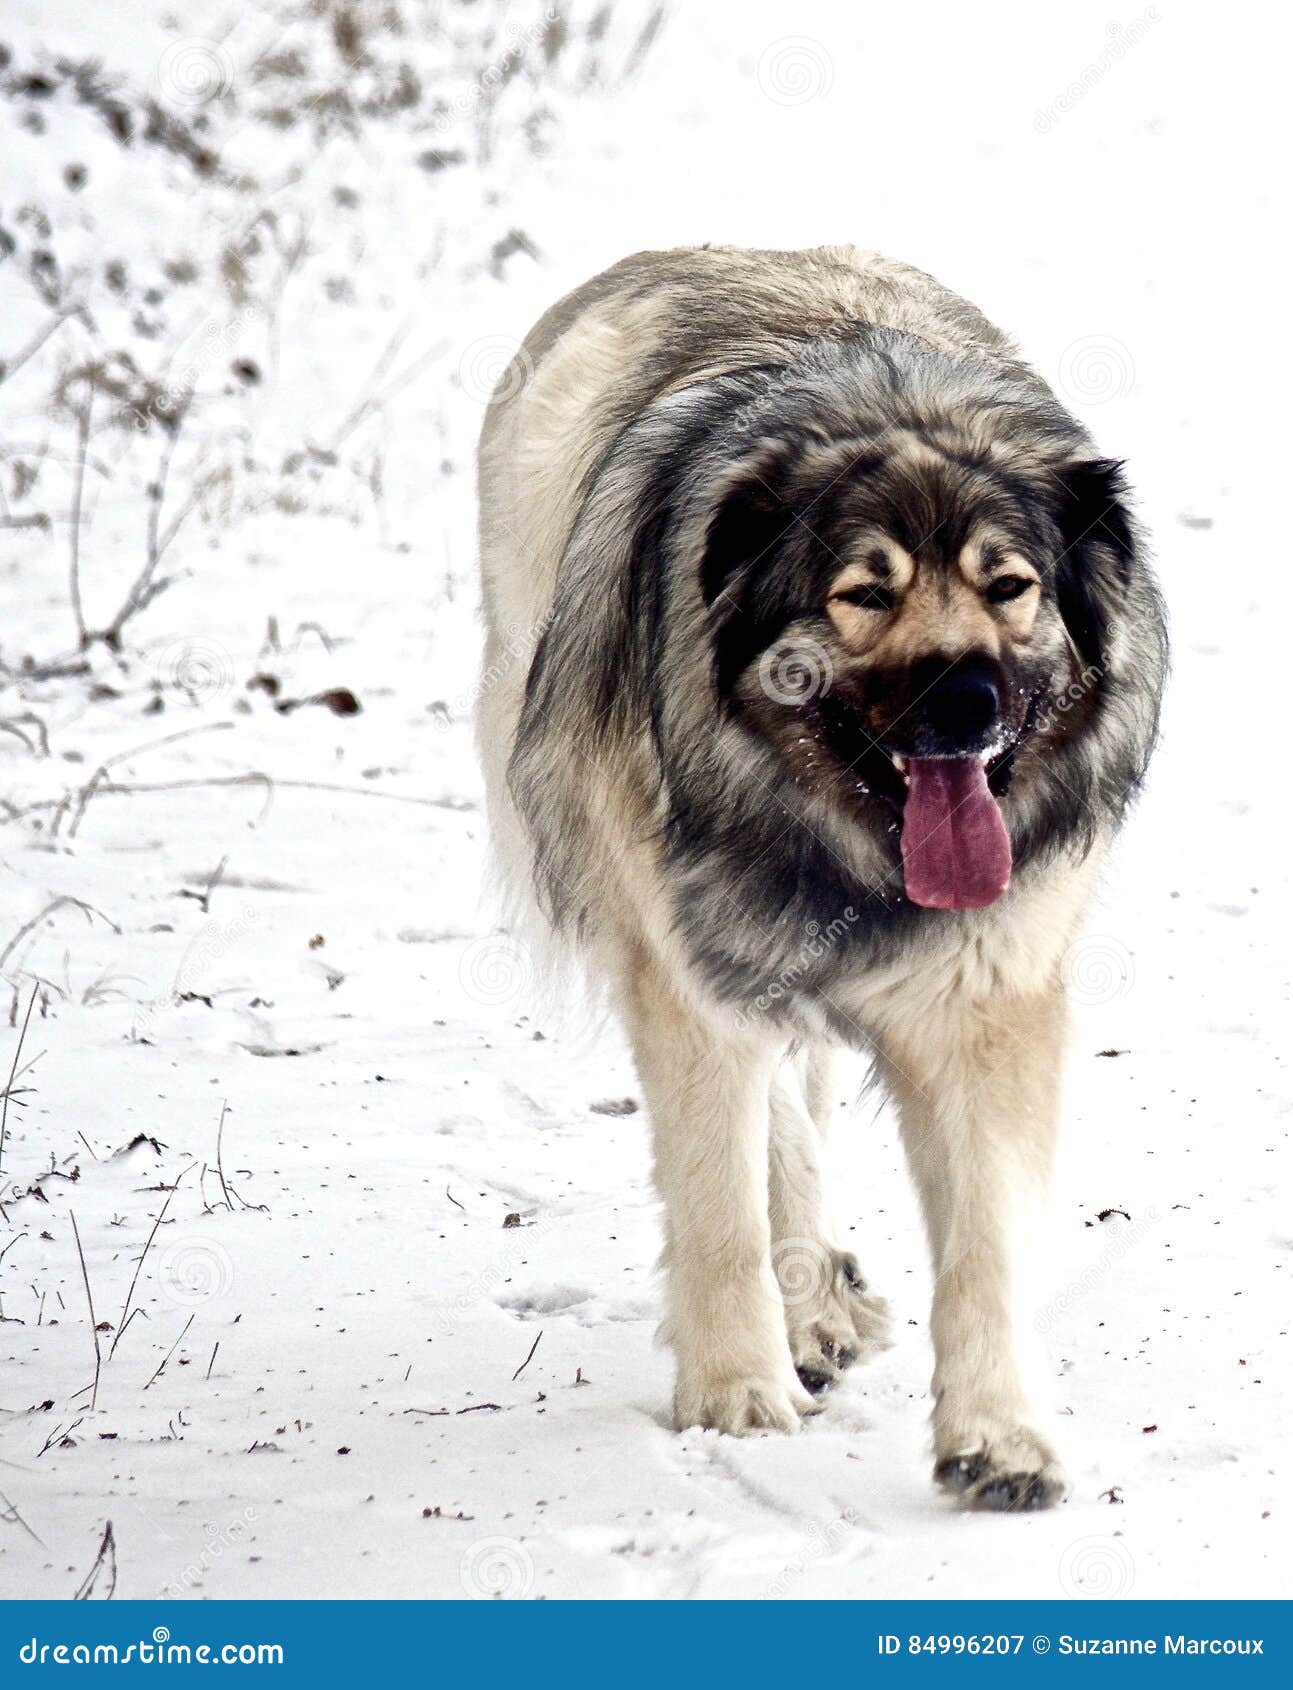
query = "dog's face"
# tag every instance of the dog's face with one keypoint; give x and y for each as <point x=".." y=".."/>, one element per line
<point x="899" y="625"/>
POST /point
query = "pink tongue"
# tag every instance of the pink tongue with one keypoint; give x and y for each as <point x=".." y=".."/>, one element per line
<point x="955" y="848"/>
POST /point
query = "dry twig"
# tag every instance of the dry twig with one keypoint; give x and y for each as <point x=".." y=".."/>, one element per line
<point x="78" y="495"/>
<point x="175" y="1346"/>
<point x="125" y="1307"/>
<point x="13" y="1070"/>
<point x="521" y="1369"/>
<point x="94" y="1324"/>
<point x="12" y="1517"/>
<point x="104" y="1562"/>
<point x="63" y="902"/>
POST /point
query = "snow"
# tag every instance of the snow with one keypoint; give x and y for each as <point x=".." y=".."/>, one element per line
<point x="277" y="917"/>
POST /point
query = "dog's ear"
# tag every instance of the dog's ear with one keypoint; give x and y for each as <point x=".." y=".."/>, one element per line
<point x="748" y="528"/>
<point x="750" y="522"/>
<point x="1099" y="552"/>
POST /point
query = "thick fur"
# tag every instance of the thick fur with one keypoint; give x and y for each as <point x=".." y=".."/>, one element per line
<point x="673" y="478"/>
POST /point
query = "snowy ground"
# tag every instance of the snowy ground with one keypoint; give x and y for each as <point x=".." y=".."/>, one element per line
<point x="315" y="265"/>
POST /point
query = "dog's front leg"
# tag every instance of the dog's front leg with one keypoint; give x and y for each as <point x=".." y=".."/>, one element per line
<point x="831" y="1319"/>
<point x="978" y="1093"/>
<point x="707" y="1091"/>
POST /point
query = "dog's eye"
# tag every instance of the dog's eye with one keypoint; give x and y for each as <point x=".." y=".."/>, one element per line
<point x="867" y="597"/>
<point x="1007" y="587"/>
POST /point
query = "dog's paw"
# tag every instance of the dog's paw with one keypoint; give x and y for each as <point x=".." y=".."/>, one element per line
<point x="819" y="1362"/>
<point x="743" y="1406"/>
<point x="1013" y="1472"/>
<point x="831" y="1318"/>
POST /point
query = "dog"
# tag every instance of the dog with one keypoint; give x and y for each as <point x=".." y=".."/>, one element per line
<point x="822" y="660"/>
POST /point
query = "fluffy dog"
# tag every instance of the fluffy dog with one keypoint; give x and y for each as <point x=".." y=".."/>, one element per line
<point x="822" y="660"/>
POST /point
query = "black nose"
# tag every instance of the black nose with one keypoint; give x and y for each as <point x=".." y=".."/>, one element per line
<point x="955" y="707"/>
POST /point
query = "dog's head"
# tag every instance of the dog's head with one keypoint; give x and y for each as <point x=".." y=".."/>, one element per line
<point x="917" y="621"/>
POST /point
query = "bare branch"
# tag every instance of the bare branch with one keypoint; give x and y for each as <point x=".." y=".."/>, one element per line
<point x="12" y="1517"/>
<point x="175" y="1346"/>
<point x="65" y="900"/>
<point x="94" y="1325"/>
<point x="96" y="779"/>
<point x="13" y="1069"/>
<point x="105" y="1560"/>
<point x="14" y="364"/>
<point x="125" y="1307"/>
<point x="146" y="587"/>
<point x="78" y="494"/>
